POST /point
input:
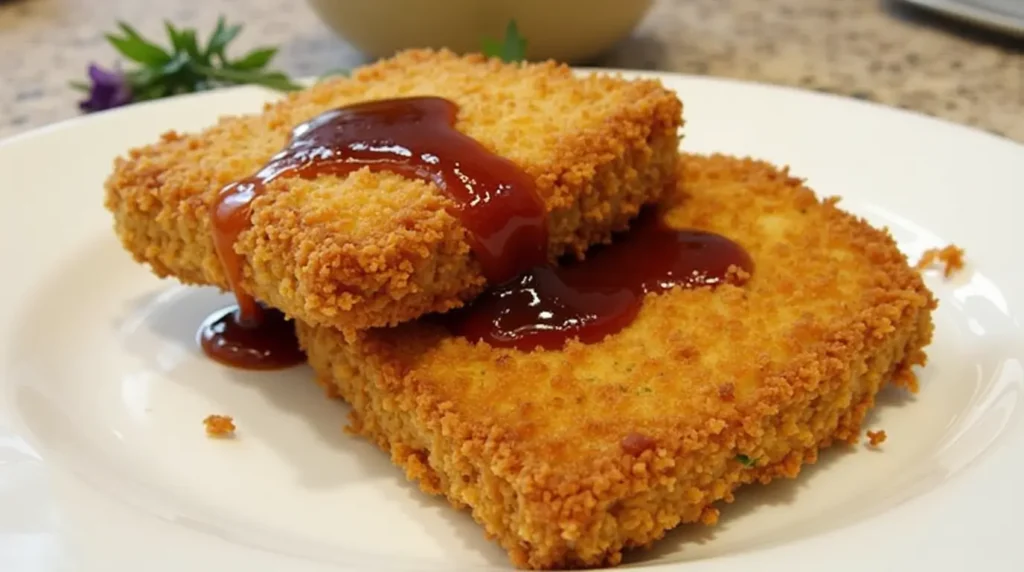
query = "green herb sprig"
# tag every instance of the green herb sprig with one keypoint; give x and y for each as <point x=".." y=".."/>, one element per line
<point x="188" y="65"/>
<point x="512" y="48"/>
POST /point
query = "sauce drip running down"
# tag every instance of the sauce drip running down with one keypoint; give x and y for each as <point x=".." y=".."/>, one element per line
<point x="414" y="137"/>
<point x="593" y="298"/>
<point x="272" y="345"/>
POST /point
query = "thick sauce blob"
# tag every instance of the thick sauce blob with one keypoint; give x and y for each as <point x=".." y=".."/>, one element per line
<point x="272" y="345"/>
<point x="599" y="296"/>
<point x="413" y="137"/>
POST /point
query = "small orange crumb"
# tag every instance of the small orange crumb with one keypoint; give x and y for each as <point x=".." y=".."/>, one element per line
<point x="876" y="438"/>
<point x="952" y="258"/>
<point x="219" y="426"/>
<point x="709" y="516"/>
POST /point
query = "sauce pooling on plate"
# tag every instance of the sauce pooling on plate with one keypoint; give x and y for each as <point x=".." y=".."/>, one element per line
<point x="413" y="137"/>
<point x="271" y="345"/>
<point x="602" y="294"/>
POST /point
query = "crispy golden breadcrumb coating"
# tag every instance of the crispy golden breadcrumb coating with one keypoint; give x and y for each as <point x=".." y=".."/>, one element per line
<point x="375" y="249"/>
<point x="568" y="457"/>
<point x="876" y="438"/>
<point x="950" y="257"/>
<point x="219" y="425"/>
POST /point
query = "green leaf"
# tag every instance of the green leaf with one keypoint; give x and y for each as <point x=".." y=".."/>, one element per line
<point x="510" y="49"/>
<point x="129" y="31"/>
<point x="135" y="37"/>
<point x="255" y="59"/>
<point x="191" y="46"/>
<point x="179" y="88"/>
<point x="175" y="35"/>
<point x="746" y="461"/>
<point x="221" y="24"/>
<point x="273" y="80"/>
<point x="155" y="91"/>
<point x="142" y="79"/>
<point x="221" y="37"/>
<point x="177" y="63"/>
<point x="139" y="50"/>
<point x="278" y="81"/>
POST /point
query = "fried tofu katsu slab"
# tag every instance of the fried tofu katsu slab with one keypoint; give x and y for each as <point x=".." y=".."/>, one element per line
<point x="374" y="248"/>
<point x="568" y="457"/>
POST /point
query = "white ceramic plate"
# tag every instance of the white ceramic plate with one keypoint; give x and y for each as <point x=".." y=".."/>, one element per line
<point x="104" y="465"/>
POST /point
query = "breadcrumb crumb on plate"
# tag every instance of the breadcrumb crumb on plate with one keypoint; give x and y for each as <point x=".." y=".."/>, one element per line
<point x="876" y="438"/>
<point x="950" y="257"/>
<point x="219" y="426"/>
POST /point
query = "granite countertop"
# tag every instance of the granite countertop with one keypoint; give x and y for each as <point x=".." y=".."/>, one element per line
<point x="871" y="49"/>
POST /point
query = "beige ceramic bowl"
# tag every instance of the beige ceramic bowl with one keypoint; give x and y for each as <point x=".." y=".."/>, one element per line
<point x="565" y="30"/>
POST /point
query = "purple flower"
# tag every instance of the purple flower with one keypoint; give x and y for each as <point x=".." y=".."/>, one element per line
<point x="107" y="89"/>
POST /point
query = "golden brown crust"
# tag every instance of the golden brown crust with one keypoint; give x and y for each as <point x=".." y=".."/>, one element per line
<point x="375" y="249"/>
<point x="728" y="387"/>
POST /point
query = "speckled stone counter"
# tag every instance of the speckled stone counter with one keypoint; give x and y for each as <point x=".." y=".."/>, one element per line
<point x="870" y="49"/>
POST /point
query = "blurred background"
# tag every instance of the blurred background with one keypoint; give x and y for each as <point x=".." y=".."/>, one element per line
<point x="963" y="62"/>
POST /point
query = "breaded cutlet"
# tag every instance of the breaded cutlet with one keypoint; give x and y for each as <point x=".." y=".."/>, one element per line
<point x="374" y="248"/>
<point x="568" y="457"/>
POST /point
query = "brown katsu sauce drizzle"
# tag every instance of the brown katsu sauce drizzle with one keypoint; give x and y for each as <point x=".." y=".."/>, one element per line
<point x="591" y="299"/>
<point x="530" y="304"/>
<point x="636" y="443"/>
<point x="414" y="137"/>
<point x="271" y="345"/>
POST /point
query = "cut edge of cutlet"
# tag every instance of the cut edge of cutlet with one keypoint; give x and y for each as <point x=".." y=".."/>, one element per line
<point x="549" y="516"/>
<point x="303" y="260"/>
